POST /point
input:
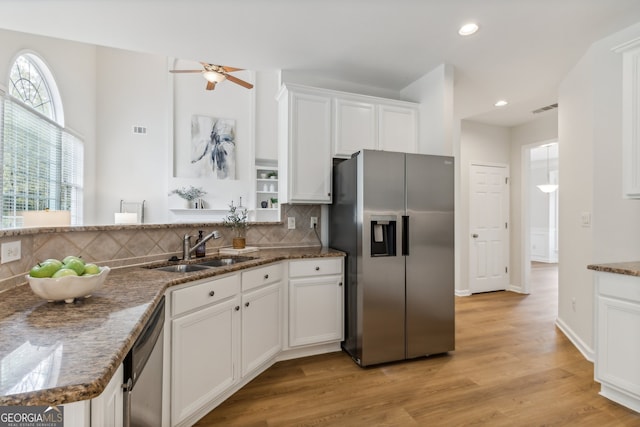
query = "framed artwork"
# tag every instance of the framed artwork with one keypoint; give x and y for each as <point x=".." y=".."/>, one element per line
<point x="213" y="147"/>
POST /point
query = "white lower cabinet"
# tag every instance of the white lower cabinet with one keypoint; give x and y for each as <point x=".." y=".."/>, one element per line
<point x="316" y="301"/>
<point x="616" y="345"/>
<point x="261" y="316"/>
<point x="261" y="330"/>
<point x="225" y="331"/>
<point x="204" y="344"/>
<point x="106" y="410"/>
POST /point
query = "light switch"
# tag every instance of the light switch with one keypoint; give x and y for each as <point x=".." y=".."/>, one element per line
<point x="585" y="219"/>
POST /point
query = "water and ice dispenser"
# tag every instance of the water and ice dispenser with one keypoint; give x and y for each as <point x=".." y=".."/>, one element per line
<point x="383" y="236"/>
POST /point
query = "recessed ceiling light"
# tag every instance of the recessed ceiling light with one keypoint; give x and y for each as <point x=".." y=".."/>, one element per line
<point x="501" y="103"/>
<point x="468" y="29"/>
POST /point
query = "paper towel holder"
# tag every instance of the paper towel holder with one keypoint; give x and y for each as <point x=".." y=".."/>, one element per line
<point x="133" y="207"/>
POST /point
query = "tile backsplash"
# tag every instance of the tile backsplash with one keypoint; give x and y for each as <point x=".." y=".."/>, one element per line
<point x="128" y="245"/>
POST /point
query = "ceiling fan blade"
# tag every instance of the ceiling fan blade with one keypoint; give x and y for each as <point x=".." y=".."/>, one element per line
<point x="185" y="71"/>
<point x="239" y="82"/>
<point x="211" y="85"/>
<point x="231" y="69"/>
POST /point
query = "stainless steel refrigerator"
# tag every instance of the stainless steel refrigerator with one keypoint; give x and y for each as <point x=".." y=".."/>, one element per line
<point x="392" y="213"/>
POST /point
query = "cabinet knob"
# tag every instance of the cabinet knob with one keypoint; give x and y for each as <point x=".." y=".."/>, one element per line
<point x="237" y="307"/>
<point x="340" y="284"/>
<point x="212" y="293"/>
<point x="317" y="268"/>
<point x="266" y="276"/>
<point x="246" y="304"/>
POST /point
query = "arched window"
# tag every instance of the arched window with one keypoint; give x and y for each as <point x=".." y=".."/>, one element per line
<point x="41" y="159"/>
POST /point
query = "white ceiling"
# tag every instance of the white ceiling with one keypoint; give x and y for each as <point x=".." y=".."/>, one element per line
<point x="523" y="49"/>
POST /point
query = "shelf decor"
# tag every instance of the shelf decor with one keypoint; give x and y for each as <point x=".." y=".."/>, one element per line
<point x="236" y="219"/>
<point x="192" y="195"/>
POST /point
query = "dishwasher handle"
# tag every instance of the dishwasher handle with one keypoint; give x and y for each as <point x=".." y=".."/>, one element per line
<point x="127" y="402"/>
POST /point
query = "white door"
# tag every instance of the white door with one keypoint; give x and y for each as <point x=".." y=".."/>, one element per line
<point x="488" y="226"/>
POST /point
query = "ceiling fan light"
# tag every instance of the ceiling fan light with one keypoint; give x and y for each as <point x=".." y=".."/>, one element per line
<point x="213" y="77"/>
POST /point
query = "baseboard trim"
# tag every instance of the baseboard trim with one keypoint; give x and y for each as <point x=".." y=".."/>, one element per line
<point x="462" y="293"/>
<point x="582" y="347"/>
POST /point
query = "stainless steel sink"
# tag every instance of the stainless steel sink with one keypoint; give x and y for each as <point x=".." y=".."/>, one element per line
<point x="182" y="268"/>
<point x="204" y="265"/>
<point x="221" y="262"/>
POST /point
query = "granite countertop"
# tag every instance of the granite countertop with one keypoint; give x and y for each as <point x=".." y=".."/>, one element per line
<point x="56" y="353"/>
<point x="631" y="268"/>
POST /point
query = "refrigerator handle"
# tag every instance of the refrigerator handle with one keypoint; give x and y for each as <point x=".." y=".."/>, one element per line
<point x="405" y="235"/>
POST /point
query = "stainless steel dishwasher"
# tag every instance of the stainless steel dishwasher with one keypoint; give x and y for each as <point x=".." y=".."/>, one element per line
<point x="143" y="375"/>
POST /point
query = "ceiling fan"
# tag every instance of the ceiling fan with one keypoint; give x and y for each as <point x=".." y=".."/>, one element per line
<point x="216" y="74"/>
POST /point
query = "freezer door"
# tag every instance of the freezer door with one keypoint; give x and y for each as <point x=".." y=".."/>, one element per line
<point x="381" y="276"/>
<point x="430" y="324"/>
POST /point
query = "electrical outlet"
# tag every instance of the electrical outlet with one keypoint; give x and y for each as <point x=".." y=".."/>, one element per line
<point x="291" y="222"/>
<point x="10" y="252"/>
<point x="314" y="222"/>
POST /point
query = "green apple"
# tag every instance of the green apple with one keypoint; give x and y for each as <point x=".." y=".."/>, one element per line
<point x="43" y="269"/>
<point x="53" y="261"/>
<point x="76" y="265"/>
<point x="70" y="257"/>
<point x="64" y="272"/>
<point x="90" y="269"/>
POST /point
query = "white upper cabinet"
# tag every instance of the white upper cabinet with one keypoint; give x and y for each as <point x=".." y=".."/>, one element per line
<point x="355" y="126"/>
<point x="630" y="117"/>
<point x="364" y="122"/>
<point x="315" y="125"/>
<point x="304" y="135"/>
<point x="398" y="128"/>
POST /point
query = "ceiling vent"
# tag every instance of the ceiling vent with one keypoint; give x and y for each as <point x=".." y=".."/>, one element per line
<point x="543" y="109"/>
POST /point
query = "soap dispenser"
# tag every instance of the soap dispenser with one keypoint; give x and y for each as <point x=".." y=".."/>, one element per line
<point x="201" y="249"/>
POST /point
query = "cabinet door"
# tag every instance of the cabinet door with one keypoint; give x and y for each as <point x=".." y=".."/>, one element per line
<point x="397" y="128"/>
<point x="106" y="409"/>
<point x="261" y="326"/>
<point x="618" y="349"/>
<point x="355" y="127"/>
<point x="204" y="349"/>
<point x="315" y="310"/>
<point x="309" y="162"/>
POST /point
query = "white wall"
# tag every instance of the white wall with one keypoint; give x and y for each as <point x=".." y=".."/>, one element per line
<point x="434" y="92"/>
<point x="132" y="91"/>
<point x="590" y="179"/>
<point x="105" y="92"/>
<point x="73" y="66"/>
<point x="542" y="129"/>
<point x="478" y="143"/>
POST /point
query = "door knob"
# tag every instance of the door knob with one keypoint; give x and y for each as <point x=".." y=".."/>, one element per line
<point x="474" y="235"/>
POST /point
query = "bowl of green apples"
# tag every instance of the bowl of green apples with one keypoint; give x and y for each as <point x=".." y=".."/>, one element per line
<point x="66" y="279"/>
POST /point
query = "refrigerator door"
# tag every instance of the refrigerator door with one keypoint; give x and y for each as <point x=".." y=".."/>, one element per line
<point x="430" y="324"/>
<point x="381" y="287"/>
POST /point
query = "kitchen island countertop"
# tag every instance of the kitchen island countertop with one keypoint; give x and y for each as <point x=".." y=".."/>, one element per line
<point x="631" y="268"/>
<point x="57" y="353"/>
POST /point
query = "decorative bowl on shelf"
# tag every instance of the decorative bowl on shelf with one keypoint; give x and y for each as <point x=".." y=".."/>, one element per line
<point x="67" y="288"/>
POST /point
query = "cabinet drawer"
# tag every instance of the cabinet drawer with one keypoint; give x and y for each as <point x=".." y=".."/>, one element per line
<point x="261" y="276"/>
<point x="315" y="267"/>
<point x="202" y="294"/>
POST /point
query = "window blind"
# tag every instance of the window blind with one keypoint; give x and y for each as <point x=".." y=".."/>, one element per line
<point x="42" y="164"/>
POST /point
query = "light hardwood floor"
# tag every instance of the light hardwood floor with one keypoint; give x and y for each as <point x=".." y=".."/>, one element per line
<point x="511" y="367"/>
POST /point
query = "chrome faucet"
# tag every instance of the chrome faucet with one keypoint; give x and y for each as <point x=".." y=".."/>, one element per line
<point x="187" y="250"/>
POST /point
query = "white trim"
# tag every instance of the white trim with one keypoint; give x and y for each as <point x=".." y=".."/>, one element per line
<point x="582" y="347"/>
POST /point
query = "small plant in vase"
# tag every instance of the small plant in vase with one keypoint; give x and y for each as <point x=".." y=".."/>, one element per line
<point x="236" y="220"/>
<point x="191" y="194"/>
